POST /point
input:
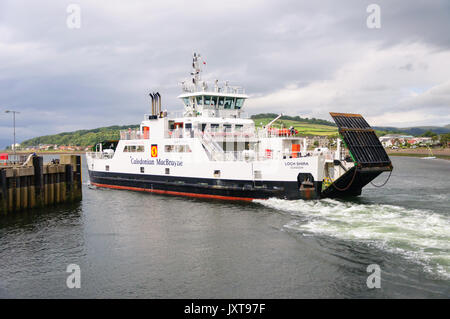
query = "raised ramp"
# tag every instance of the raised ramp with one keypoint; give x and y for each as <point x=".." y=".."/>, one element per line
<point x="366" y="150"/>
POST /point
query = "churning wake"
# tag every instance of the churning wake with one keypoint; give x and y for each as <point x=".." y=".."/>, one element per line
<point x="421" y="236"/>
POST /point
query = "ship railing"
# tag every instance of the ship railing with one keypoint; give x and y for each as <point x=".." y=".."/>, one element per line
<point x="221" y="87"/>
<point x="13" y="160"/>
<point x="250" y="155"/>
<point x="100" y="155"/>
<point x="95" y="155"/>
<point x="328" y="155"/>
<point x="230" y="133"/>
<point x="230" y="156"/>
<point x="213" y="149"/>
<point x="275" y="133"/>
<point x="214" y="133"/>
<point x="175" y="114"/>
<point x="131" y="135"/>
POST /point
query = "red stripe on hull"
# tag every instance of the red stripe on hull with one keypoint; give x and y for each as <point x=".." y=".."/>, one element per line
<point x="159" y="191"/>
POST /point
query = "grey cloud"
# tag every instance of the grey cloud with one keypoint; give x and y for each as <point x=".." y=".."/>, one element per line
<point x="101" y="74"/>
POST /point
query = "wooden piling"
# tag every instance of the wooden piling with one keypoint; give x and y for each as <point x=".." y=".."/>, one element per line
<point x="38" y="164"/>
<point x="4" y="192"/>
<point x="39" y="185"/>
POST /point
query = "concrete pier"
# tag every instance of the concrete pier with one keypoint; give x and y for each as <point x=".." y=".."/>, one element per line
<point x="34" y="184"/>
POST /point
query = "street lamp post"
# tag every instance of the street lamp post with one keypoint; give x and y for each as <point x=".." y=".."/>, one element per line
<point x="14" y="125"/>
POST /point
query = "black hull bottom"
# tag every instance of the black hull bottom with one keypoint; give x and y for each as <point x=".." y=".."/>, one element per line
<point x="197" y="187"/>
<point x="233" y="189"/>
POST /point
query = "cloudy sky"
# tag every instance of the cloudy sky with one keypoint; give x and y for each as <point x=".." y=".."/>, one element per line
<point x="297" y="57"/>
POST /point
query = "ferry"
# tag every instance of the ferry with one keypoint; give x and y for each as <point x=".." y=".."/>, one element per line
<point x="213" y="150"/>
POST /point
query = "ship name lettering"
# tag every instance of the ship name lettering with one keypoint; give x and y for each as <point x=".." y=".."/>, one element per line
<point x="296" y="164"/>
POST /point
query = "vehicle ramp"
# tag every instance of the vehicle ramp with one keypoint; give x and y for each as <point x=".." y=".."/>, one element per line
<point x="369" y="157"/>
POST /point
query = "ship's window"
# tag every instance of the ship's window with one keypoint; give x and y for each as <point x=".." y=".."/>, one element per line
<point x="239" y="103"/>
<point x="107" y="168"/>
<point x="217" y="173"/>
<point x="167" y="170"/>
<point x="238" y="127"/>
<point x="199" y="100"/>
<point x="221" y="101"/>
<point x="229" y="103"/>
<point x="180" y="148"/>
<point x="142" y="169"/>
<point x="207" y="100"/>
<point x="227" y="127"/>
<point x="133" y="148"/>
<point x="186" y="101"/>
<point x="188" y="126"/>
<point x="168" y="148"/>
<point x="214" y="100"/>
<point x="257" y="174"/>
<point x="214" y="127"/>
<point x="177" y="148"/>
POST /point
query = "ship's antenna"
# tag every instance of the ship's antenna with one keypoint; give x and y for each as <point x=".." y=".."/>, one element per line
<point x="196" y="69"/>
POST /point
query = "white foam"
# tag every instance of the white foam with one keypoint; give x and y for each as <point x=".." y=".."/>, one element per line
<point x="422" y="236"/>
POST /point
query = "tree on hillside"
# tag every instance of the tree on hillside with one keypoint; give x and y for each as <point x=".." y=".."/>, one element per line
<point x="444" y="139"/>
<point x="428" y="134"/>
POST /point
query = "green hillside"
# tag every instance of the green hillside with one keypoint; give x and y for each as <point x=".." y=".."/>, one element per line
<point x="304" y="128"/>
<point x="79" y="138"/>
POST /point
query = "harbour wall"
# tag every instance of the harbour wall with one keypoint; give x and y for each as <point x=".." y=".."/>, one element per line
<point x="37" y="185"/>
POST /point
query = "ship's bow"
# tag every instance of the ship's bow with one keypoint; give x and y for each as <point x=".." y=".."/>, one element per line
<point x="369" y="157"/>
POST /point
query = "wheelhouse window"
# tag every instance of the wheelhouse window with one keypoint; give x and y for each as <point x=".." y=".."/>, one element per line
<point x="207" y="100"/>
<point x="186" y="101"/>
<point x="239" y="103"/>
<point x="214" y="100"/>
<point x="221" y="101"/>
<point x="229" y="103"/>
<point x="199" y="100"/>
